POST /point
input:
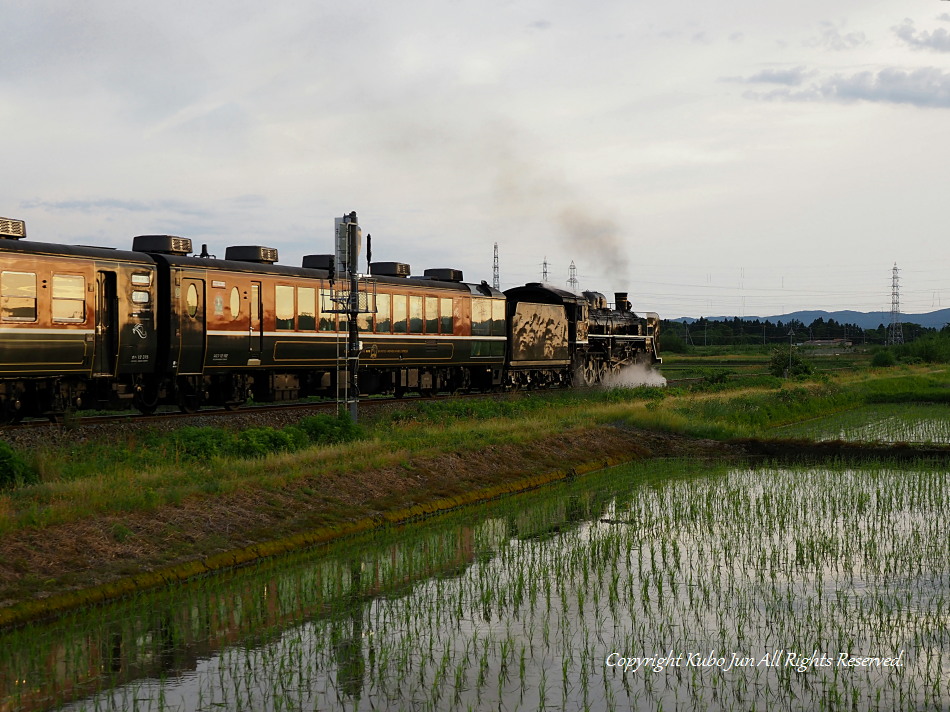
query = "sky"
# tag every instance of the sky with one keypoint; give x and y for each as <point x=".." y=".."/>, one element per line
<point x="734" y="158"/>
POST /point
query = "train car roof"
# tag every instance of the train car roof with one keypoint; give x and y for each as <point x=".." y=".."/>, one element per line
<point x="29" y="247"/>
<point x="543" y="293"/>
<point x="211" y="263"/>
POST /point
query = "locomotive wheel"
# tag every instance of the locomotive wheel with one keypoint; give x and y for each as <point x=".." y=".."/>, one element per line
<point x="588" y="373"/>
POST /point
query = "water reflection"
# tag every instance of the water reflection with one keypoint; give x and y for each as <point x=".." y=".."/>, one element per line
<point x="519" y="604"/>
<point x="164" y="635"/>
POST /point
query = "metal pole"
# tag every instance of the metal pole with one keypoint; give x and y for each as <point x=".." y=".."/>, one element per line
<point x="791" y="333"/>
<point x="353" y="310"/>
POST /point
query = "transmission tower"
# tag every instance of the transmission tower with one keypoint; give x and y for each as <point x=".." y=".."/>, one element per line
<point x="544" y="270"/>
<point x="495" y="275"/>
<point x="895" y="333"/>
<point x="572" y="278"/>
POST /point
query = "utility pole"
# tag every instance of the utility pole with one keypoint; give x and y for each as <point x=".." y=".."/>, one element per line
<point x="495" y="276"/>
<point x="791" y="335"/>
<point x="347" y="302"/>
<point x="353" y="238"/>
<point x="572" y="278"/>
<point x="544" y="270"/>
<point x="895" y="332"/>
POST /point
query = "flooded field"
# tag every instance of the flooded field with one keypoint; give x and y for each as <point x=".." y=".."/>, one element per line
<point x="668" y="585"/>
<point x="886" y="423"/>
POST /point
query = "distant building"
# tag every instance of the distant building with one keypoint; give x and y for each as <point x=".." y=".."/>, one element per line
<point x="829" y="343"/>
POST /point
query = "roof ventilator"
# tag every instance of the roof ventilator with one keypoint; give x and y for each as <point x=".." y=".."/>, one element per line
<point x="390" y="269"/>
<point x="162" y="244"/>
<point x="11" y="229"/>
<point x="251" y="253"/>
<point x="444" y="274"/>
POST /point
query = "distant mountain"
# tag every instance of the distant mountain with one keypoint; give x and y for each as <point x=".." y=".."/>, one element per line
<point x="866" y="320"/>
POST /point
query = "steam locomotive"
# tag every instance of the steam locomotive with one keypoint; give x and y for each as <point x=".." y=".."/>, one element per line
<point x="95" y="327"/>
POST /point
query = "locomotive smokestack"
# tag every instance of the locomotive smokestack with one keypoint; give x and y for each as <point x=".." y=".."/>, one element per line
<point x="621" y="302"/>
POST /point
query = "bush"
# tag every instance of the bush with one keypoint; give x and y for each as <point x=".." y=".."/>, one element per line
<point x="883" y="359"/>
<point x="258" y="442"/>
<point x="673" y="344"/>
<point x="329" y="429"/>
<point x="789" y="363"/>
<point x="193" y="443"/>
<point x="13" y="469"/>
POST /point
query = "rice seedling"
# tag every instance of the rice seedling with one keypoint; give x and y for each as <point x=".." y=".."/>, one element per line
<point x="886" y="423"/>
<point x="668" y="586"/>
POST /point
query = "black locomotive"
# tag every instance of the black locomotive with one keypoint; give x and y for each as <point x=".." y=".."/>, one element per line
<point x="85" y="327"/>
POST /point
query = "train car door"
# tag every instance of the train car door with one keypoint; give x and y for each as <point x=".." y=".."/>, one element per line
<point x="256" y="328"/>
<point x="191" y="315"/>
<point x="107" y="306"/>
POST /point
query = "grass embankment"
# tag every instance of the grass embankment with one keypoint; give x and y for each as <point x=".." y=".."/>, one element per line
<point x="149" y="470"/>
<point x="155" y="498"/>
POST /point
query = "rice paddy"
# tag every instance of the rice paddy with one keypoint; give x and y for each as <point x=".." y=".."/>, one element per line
<point x="885" y="423"/>
<point x="664" y="586"/>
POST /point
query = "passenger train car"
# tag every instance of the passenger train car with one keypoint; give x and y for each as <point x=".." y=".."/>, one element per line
<point x="97" y="327"/>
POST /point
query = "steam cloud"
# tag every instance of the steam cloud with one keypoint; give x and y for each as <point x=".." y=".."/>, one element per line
<point x="527" y="189"/>
<point x="599" y="238"/>
<point x="631" y="376"/>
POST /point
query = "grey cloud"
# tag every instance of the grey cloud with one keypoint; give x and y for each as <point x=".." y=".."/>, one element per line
<point x="922" y="87"/>
<point x="938" y="40"/>
<point x="540" y="25"/>
<point x="833" y="39"/>
<point x="100" y="205"/>
<point x="927" y="87"/>
<point x="790" y="77"/>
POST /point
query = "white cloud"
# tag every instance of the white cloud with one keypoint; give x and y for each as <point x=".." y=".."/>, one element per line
<point x="938" y="40"/>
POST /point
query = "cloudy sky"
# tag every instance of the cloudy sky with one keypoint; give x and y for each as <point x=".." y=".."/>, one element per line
<point x="732" y="158"/>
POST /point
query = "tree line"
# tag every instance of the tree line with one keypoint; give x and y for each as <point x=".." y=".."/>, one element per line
<point x="678" y="336"/>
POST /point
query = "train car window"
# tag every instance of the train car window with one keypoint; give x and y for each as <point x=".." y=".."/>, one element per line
<point x="138" y="297"/>
<point x="306" y="308"/>
<point x="191" y="300"/>
<point x="235" y="302"/>
<point x="497" y="317"/>
<point x="18" y="296"/>
<point x="284" y="306"/>
<point x="399" y="313"/>
<point x="481" y="317"/>
<point x="364" y="322"/>
<point x="432" y="315"/>
<point x="141" y="280"/>
<point x="327" y="319"/>
<point x="415" y="315"/>
<point x="69" y="298"/>
<point x="384" y="324"/>
<point x="448" y="321"/>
